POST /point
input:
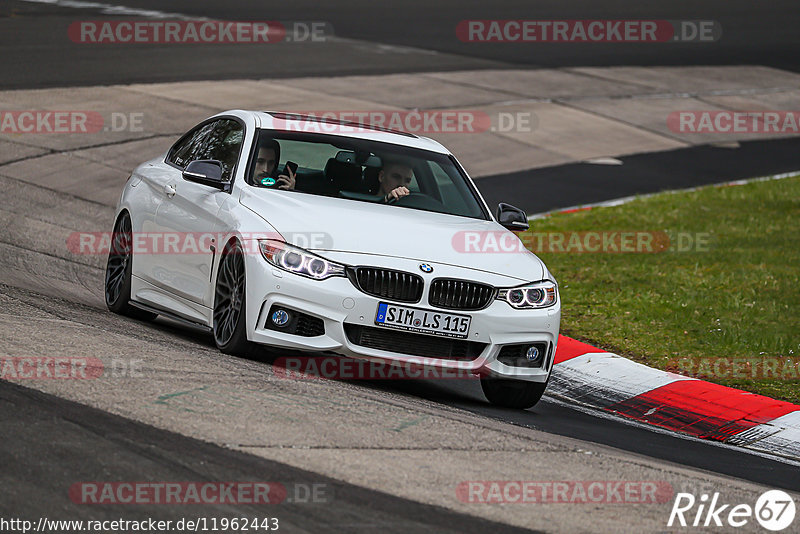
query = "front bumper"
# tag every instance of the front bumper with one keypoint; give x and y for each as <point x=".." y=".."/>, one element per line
<point x="336" y="301"/>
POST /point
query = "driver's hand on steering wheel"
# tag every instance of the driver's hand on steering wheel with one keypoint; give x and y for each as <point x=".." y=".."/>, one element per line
<point x="396" y="194"/>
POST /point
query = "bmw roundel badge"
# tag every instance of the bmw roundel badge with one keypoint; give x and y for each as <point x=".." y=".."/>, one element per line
<point x="426" y="267"/>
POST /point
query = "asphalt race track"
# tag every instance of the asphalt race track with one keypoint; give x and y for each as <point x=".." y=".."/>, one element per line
<point x="135" y="451"/>
<point x="51" y="302"/>
<point x="413" y="35"/>
<point x="640" y="174"/>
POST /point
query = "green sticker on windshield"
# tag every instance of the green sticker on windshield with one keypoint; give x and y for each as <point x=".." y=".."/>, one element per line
<point x="268" y="181"/>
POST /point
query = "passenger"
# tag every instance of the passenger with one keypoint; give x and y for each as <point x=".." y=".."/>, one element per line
<point x="265" y="171"/>
<point x="394" y="179"/>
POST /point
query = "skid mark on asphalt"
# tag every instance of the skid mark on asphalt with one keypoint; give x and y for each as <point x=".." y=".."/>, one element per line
<point x="297" y="407"/>
<point x="162" y="399"/>
<point x="223" y="400"/>
<point x="409" y="423"/>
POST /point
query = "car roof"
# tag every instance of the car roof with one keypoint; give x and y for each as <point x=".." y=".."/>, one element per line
<point x="310" y="124"/>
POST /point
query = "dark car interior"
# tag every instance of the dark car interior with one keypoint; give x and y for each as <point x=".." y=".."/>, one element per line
<point x="327" y="168"/>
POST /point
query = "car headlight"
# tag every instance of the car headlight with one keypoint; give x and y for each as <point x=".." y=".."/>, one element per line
<point x="296" y="260"/>
<point x="537" y="295"/>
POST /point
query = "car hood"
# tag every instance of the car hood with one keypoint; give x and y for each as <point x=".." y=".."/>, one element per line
<point x="331" y="224"/>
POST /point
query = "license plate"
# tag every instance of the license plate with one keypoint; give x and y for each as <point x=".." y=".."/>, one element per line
<point x="424" y="321"/>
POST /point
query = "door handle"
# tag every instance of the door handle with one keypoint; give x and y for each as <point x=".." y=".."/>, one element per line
<point x="170" y="190"/>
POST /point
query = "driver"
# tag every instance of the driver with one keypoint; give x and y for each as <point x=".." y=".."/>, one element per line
<point x="266" y="168"/>
<point x="394" y="179"/>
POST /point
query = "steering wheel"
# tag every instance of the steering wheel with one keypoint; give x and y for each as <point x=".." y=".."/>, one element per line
<point x="411" y="194"/>
<point x="417" y="200"/>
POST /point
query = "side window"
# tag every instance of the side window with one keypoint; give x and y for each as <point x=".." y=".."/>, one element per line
<point x="182" y="153"/>
<point x="414" y="185"/>
<point x="449" y="191"/>
<point x="220" y="140"/>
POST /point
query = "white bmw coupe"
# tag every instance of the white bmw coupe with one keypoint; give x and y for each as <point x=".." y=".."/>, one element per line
<point x="321" y="235"/>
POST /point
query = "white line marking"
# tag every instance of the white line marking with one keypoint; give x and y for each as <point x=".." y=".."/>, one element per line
<point x="109" y="9"/>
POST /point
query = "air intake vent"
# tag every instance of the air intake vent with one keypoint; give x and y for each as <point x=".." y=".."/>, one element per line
<point x="413" y="344"/>
<point x="297" y="323"/>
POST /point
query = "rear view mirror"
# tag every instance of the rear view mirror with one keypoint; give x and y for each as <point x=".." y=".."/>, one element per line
<point x="346" y="156"/>
<point x="512" y="218"/>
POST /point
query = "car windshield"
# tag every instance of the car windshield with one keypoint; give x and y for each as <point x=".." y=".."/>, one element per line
<point x="364" y="171"/>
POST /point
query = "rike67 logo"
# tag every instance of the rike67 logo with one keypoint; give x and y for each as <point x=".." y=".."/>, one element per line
<point x="774" y="510"/>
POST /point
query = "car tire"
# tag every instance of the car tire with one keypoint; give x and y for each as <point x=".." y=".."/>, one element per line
<point x="118" y="272"/>
<point x="508" y="393"/>
<point x="230" y="328"/>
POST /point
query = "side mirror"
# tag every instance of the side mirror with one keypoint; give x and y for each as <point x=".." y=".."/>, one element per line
<point x="207" y="172"/>
<point x="512" y="218"/>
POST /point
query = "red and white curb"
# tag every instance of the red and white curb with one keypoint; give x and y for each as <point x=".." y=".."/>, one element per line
<point x="606" y="381"/>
